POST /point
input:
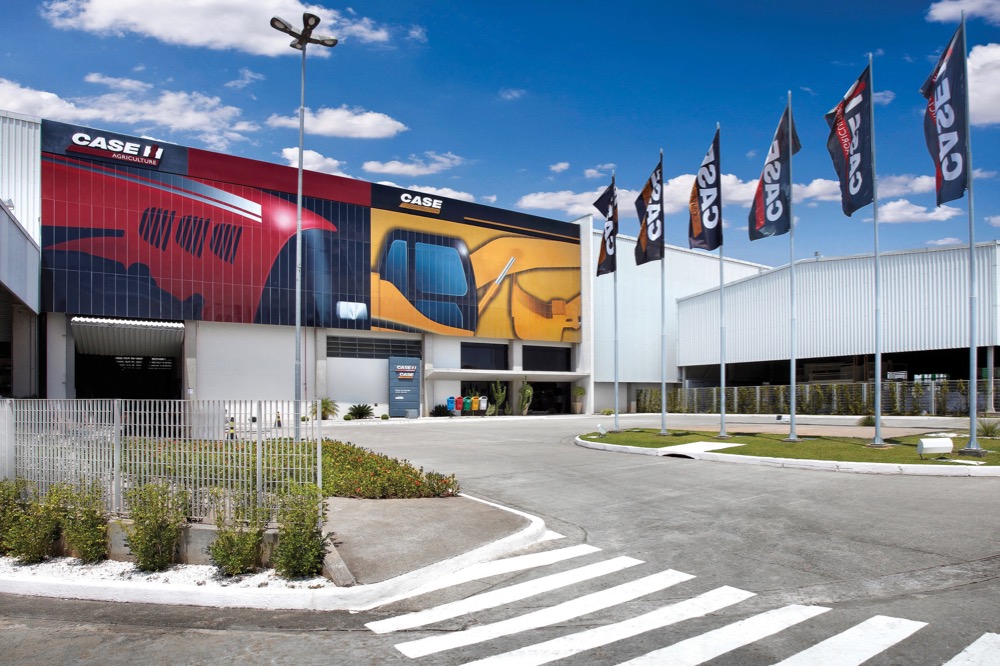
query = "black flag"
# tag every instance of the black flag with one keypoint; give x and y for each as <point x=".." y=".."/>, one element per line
<point x="945" y="126"/>
<point x="607" y="203"/>
<point x="770" y="214"/>
<point x="649" y="207"/>
<point x="850" y="144"/>
<point x="705" y="220"/>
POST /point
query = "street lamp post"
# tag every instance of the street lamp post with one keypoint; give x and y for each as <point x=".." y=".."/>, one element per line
<point x="300" y="40"/>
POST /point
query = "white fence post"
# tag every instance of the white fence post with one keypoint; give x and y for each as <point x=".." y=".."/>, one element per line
<point x="7" y="445"/>
<point x="116" y="498"/>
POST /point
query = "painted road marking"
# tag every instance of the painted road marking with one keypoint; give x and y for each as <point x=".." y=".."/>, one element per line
<point x="546" y="616"/>
<point x="711" y="644"/>
<point x="565" y="646"/>
<point x="502" y="596"/>
<point x="858" y="644"/>
<point x="984" y="652"/>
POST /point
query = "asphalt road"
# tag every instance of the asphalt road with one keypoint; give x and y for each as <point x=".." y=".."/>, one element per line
<point x="924" y="551"/>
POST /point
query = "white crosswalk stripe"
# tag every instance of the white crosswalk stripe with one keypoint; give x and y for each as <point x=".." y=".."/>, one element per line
<point x="565" y="646"/>
<point x="858" y="644"/>
<point x="546" y="616"/>
<point x="502" y="596"/>
<point x="984" y="652"/>
<point x="711" y="644"/>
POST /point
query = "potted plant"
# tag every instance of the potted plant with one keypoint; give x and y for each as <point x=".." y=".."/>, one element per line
<point x="578" y="393"/>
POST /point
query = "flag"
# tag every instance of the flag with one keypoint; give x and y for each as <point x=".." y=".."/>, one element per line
<point x="649" y="207"/>
<point x="607" y="203"/>
<point x="945" y="126"/>
<point x="705" y="221"/>
<point x="770" y="213"/>
<point x="850" y="144"/>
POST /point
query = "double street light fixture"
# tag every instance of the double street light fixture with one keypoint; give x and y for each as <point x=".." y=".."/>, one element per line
<point x="300" y="40"/>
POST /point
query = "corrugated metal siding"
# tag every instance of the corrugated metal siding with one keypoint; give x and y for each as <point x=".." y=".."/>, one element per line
<point x="119" y="337"/>
<point x="20" y="170"/>
<point x="925" y="300"/>
<point x="639" y="341"/>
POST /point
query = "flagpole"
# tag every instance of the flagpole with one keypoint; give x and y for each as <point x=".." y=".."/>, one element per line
<point x="972" y="448"/>
<point x="792" y="437"/>
<point x="615" y="193"/>
<point x="663" y="325"/>
<point x="722" y="321"/>
<point x="877" y="441"/>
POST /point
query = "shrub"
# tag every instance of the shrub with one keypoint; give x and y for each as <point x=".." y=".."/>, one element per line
<point x="385" y="417"/>
<point x="988" y="427"/>
<point x="867" y="421"/>
<point x="360" y="411"/>
<point x="35" y="531"/>
<point x="12" y="503"/>
<point x="348" y="417"/>
<point x="239" y="535"/>
<point x="85" y="523"/>
<point x="524" y="396"/>
<point x="607" y="412"/>
<point x="440" y="410"/>
<point x="328" y="409"/>
<point x="498" y="390"/>
<point x="158" y="513"/>
<point x="301" y="544"/>
<point x="351" y="471"/>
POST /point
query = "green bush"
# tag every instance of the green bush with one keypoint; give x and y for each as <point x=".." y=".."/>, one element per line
<point x="988" y="427"/>
<point x="158" y="514"/>
<point x="12" y="504"/>
<point x="440" y="410"/>
<point x="348" y="417"/>
<point x="360" y="411"/>
<point x="34" y="532"/>
<point x="240" y="533"/>
<point x="85" y="523"/>
<point x="301" y="544"/>
<point x="351" y="471"/>
<point x="867" y="421"/>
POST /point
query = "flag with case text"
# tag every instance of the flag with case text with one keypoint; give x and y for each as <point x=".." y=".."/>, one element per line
<point x="607" y="203"/>
<point x="850" y="144"/>
<point x="770" y="212"/>
<point x="649" y="207"/>
<point x="945" y="121"/>
<point x="705" y="207"/>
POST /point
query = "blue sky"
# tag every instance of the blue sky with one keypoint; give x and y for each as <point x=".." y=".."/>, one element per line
<point x="530" y="105"/>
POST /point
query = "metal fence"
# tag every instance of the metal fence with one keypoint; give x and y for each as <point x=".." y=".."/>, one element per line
<point x="250" y="450"/>
<point x="939" y="398"/>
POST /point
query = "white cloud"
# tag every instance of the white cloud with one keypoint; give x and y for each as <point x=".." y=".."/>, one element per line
<point x="512" y="93"/>
<point x="246" y="78"/>
<point x="215" y="24"/>
<point x="820" y="189"/>
<point x="894" y="186"/>
<point x="417" y="33"/>
<point x="984" y="83"/>
<point x="443" y="192"/>
<point x="559" y="167"/>
<point x="902" y="210"/>
<point x="993" y="220"/>
<point x="884" y="97"/>
<point x="313" y="161"/>
<point x="213" y="123"/>
<point x="435" y="163"/>
<point x="598" y="171"/>
<point x="489" y="198"/>
<point x="950" y="11"/>
<point x="573" y="204"/>
<point x="945" y="241"/>
<point x="114" y="83"/>
<point x="343" y="123"/>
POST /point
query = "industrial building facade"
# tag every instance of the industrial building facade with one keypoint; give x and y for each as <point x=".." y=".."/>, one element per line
<point x="133" y="268"/>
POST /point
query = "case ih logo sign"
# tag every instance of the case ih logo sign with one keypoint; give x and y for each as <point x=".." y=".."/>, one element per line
<point x="115" y="149"/>
<point x="406" y="371"/>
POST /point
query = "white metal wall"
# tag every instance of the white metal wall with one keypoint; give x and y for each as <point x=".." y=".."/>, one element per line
<point x="246" y="362"/>
<point x="21" y="169"/>
<point x="925" y="301"/>
<point x="639" y="344"/>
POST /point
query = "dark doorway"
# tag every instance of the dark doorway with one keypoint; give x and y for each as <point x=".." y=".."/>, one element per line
<point x="136" y="377"/>
<point x="550" y="398"/>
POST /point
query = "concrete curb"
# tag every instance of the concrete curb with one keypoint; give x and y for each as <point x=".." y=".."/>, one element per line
<point x="790" y="463"/>
<point x="357" y="598"/>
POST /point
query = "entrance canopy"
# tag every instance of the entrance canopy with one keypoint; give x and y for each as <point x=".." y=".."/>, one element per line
<point x="127" y="337"/>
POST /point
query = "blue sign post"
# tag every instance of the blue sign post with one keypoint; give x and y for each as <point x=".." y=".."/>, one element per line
<point x="404" y="386"/>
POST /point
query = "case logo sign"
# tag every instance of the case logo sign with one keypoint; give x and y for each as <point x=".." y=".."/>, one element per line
<point x="406" y="371"/>
<point x="116" y="149"/>
<point x="420" y="203"/>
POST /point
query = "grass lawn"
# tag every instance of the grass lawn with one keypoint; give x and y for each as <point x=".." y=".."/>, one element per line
<point x="770" y="445"/>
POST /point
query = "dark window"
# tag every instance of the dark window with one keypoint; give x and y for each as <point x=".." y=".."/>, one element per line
<point x="555" y="359"/>
<point x="340" y="347"/>
<point x="484" y="356"/>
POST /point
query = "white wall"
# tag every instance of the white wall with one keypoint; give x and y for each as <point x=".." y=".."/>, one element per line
<point x="351" y="381"/>
<point x="245" y="362"/>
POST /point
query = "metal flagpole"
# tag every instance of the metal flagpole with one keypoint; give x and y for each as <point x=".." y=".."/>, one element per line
<point x="722" y="319"/>
<point x="663" y="323"/>
<point x="877" y="441"/>
<point x="972" y="448"/>
<point x="615" y="195"/>
<point x="792" y="437"/>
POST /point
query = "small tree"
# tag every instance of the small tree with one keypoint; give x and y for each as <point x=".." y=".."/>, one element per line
<point x="158" y="513"/>
<point x="328" y="409"/>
